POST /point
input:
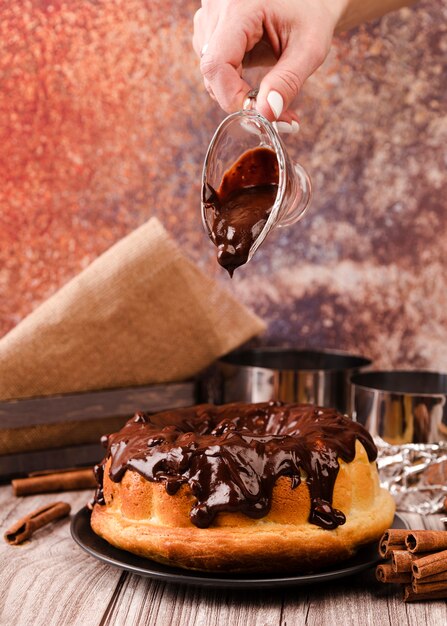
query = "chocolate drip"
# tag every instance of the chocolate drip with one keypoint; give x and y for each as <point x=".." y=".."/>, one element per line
<point x="99" y="475"/>
<point x="232" y="455"/>
<point x="238" y="211"/>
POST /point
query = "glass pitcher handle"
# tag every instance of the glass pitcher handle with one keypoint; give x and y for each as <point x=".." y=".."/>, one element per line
<point x="304" y="188"/>
<point x="250" y="100"/>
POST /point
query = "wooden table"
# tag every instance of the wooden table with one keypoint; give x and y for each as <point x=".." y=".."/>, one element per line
<point x="51" y="581"/>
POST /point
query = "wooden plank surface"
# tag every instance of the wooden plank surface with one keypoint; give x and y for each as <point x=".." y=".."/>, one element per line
<point x="50" y="581"/>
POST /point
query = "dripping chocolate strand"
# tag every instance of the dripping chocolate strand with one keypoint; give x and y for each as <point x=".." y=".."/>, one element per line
<point x="238" y="210"/>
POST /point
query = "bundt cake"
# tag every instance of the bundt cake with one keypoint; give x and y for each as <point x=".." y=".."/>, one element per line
<point x="262" y="487"/>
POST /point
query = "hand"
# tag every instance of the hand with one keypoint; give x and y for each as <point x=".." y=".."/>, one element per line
<point x="292" y="35"/>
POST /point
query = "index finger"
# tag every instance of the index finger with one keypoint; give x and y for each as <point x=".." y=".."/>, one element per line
<point x="222" y="61"/>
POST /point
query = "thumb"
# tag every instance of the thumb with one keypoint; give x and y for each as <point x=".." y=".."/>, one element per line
<point x="282" y="84"/>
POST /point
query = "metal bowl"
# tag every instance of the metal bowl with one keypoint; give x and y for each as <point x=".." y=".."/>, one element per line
<point x="402" y="406"/>
<point x="310" y="376"/>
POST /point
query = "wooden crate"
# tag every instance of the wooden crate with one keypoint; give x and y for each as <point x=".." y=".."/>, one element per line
<point x="63" y="431"/>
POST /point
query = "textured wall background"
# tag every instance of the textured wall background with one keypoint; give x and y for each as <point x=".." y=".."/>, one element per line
<point x="104" y="122"/>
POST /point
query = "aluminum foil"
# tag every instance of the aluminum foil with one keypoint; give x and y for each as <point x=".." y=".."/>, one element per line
<point x="415" y="474"/>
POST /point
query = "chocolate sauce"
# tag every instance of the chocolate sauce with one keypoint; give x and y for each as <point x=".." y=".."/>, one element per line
<point x="238" y="210"/>
<point x="232" y="455"/>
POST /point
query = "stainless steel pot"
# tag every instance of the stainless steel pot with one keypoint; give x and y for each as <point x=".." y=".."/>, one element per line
<point x="309" y="376"/>
<point x="402" y="406"/>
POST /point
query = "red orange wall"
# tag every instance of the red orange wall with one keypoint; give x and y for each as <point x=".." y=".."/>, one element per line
<point x="104" y="122"/>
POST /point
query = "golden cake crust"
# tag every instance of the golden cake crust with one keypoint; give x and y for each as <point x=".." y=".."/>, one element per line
<point x="141" y="517"/>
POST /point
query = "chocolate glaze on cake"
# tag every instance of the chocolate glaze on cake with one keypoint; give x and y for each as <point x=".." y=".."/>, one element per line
<point x="232" y="455"/>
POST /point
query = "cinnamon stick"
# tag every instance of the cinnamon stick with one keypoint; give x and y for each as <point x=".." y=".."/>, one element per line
<point x="386" y="574"/>
<point x="392" y="539"/>
<point x="57" y="481"/>
<point x="431" y="564"/>
<point x="426" y="540"/>
<point x="442" y="576"/>
<point x="402" y="560"/>
<point x="412" y="596"/>
<point x="431" y="587"/>
<point x="27" y="525"/>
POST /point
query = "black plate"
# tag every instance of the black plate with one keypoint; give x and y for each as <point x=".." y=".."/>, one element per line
<point x="100" y="549"/>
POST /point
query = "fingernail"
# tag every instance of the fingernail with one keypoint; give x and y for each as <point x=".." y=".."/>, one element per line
<point x="203" y="50"/>
<point x="276" y="103"/>
<point x="295" y="126"/>
<point x="283" y="127"/>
